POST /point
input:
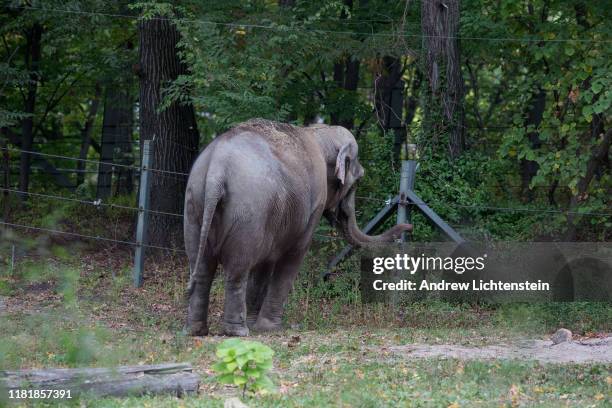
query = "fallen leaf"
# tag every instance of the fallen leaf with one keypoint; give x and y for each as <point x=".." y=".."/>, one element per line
<point x="294" y="341"/>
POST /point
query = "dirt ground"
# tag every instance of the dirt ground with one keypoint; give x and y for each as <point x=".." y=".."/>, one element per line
<point x="158" y="304"/>
<point x="597" y="350"/>
<point x="593" y="350"/>
<point x="87" y="314"/>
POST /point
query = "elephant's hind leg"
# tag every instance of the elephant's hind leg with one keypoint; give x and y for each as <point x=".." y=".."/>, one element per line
<point x="234" y="310"/>
<point x="281" y="282"/>
<point x="256" y="290"/>
<point x="199" y="294"/>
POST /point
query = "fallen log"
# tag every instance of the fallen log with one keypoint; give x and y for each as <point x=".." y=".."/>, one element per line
<point x="177" y="379"/>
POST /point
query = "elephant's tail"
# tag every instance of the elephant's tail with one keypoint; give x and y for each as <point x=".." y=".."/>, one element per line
<point x="212" y="195"/>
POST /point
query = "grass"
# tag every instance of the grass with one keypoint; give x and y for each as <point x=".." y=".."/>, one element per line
<point x="64" y="310"/>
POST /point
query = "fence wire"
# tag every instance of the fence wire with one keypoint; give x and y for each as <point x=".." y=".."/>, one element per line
<point x="99" y="203"/>
<point x="112" y="165"/>
<point x="167" y="173"/>
<point x="303" y="29"/>
<point x="171" y="173"/>
<point x="496" y="208"/>
<point x="95" y="203"/>
<point x="93" y="237"/>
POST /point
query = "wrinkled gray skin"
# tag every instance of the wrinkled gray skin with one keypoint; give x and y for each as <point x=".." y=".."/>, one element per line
<point x="254" y="198"/>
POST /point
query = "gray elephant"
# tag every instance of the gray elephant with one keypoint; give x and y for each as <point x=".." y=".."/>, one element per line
<point x="254" y="198"/>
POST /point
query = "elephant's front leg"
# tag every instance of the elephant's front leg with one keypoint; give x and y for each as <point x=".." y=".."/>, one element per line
<point x="281" y="281"/>
<point x="234" y="311"/>
<point x="256" y="290"/>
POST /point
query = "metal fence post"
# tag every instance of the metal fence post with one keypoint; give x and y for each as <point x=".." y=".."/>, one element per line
<point x="143" y="207"/>
<point x="406" y="184"/>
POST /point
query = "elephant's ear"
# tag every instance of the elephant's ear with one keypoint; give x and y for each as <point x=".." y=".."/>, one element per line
<point x="341" y="162"/>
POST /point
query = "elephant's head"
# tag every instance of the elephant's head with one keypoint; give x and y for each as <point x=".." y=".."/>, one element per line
<point x="343" y="172"/>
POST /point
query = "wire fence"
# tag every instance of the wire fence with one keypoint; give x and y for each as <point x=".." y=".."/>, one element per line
<point x="304" y="29"/>
<point x="98" y="203"/>
<point x="95" y="203"/>
<point x="112" y="165"/>
<point x="294" y="26"/>
<point x="243" y="25"/>
<point x="92" y="237"/>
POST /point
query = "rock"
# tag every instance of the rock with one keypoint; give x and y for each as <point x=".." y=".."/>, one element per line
<point x="2" y="303"/>
<point x="234" y="403"/>
<point x="561" y="336"/>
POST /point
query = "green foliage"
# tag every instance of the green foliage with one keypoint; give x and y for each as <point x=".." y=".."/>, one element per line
<point x="82" y="55"/>
<point x="570" y="67"/>
<point x="244" y="364"/>
<point x="258" y="59"/>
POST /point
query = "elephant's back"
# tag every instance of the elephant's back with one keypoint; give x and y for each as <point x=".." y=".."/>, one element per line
<point x="271" y="187"/>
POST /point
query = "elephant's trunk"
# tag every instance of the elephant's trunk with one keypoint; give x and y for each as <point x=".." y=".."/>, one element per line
<point x="348" y="225"/>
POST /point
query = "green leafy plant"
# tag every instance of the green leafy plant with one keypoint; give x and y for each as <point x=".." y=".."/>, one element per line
<point x="245" y="364"/>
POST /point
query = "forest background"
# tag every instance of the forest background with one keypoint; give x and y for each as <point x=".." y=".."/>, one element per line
<point x="509" y="104"/>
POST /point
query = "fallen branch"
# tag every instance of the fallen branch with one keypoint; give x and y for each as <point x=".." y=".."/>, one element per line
<point x="177" y="379"/>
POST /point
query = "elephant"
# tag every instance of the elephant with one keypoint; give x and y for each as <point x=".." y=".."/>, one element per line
<point x="254" y="198"/>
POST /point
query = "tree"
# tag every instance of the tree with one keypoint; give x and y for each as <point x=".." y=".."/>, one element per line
<point x="537" y="101"/>
<point x="440" y="24"/>
<point x="388" y="99"/>
<point x="116" y="140"/>
<point x="171" y="125"/>
<point x="32" y="63"/>
<point x="86" y="133"/>
<point x="346" y="79"/>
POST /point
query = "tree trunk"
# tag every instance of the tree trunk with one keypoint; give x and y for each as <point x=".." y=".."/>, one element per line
<point x="338" y="77"/>
<point x="346" y="77"/>
<point x="389" y="101"/>
<point x="597" y="159"/>
<point x="529" y="168"/>
<point x="86" y="134"/>
<point x="534" y="115"/>
<point x="47" y="168"/>
<point x="123" y="145"/>
<point x="32" y="57"/>
<point x="410" y="106"/>
<point x="116" y="130"/>
<point x="285" y="10"/>
<point x="173" y="128"/>
<point x="351" y="80"/>
<point x="440" y="25"/>
<point x="387" y="81"/>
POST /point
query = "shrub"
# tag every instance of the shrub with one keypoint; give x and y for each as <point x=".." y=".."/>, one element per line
<point x="244" y="364"/>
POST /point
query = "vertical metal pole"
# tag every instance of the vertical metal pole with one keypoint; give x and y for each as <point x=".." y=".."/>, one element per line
<point x="143" y="206"/>
<point x="406" y="183"/>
